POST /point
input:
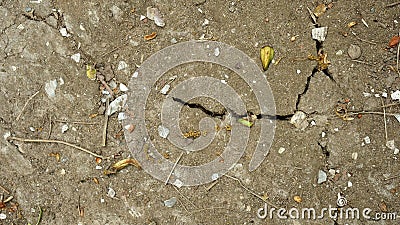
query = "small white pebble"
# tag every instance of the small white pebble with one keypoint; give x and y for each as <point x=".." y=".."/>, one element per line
<point x="215" y="176"/>
<point x="340" y="52"/>
<point x="64" y="128"/>
<point x="3" y="216"/>
<point x="206" y="22"/>
<point x="123" y="87"/>
<point x="313" y="123"/>
<point x="142" y="17"/>
<point x="223" y="81"/>
<point x="63" y="172"/>
<point x="336" y="129"/>
<point x="178" y="183"/>
<point x="135" y="74"/>
<point x="99" y="167"/>
<point x="122" y="65"/>
<point x="216" y="52"/>
<point x="377" y="95"/>
<point x="32" y="129"/>
<point x="323" y="134"/>
<point x="281" y="150"/>
<point x="354" y="155"/>
<point x="102" y="200"/>
<point x="64" y="32"/>
<point x="367" y="140"/>
<point x="384" y="94"/>
<point x="76" y="57"/>
<point x="349" y="184"/>
<point x="298" y="71"/>
<point x="165" y="89"/>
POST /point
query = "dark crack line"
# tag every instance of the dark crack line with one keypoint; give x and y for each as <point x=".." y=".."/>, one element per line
<point x="220" y="115"/>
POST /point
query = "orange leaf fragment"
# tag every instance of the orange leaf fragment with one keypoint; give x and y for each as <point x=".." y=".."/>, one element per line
<point x="150" y="36"/>
<point x="394" y="41"/>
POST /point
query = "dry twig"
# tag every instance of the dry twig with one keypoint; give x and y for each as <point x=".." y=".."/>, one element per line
<point x="393" y="4"/>
<point x="360" y="39"/>
<point x="58" y="142"/>
<point x="250" y="191"/>
<point x="173" y="168"/>
<point x="26" y="104"/>
<point x="103" y="143"/>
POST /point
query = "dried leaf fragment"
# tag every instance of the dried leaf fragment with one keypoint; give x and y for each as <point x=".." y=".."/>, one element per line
<point x="90" y="72"/>
<point x="55" y="155"/>
<point x="267" y="54"/>
<point x="351" y="24"/>
<point x="297" y="199"/>
<point x="122" y="164"/>
<point x="150" y="36"/>
<point x="320" y="9"/>
<point x="245" y="122"/>
<point x="394" y="41"/>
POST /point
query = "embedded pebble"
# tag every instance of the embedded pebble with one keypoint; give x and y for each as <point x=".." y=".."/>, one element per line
<point x="163" y="131"/>
<point x="165" y="89"/>
<point x="111" y="193"/>
<point x="340" y="52"/>
<point x="3" y="216"/>
<point x="50" y="88"/>
<point x="122" y="65"/>
<point x="64" y="32"/>
<point x="349" y="184"/>
<point x="76" y="57"/>
<point x="178" y="183"/>
<point x="321" y="177"/>
<point x="299" y="120"/>
<point x="123" y="87"/>
<point x="367" y="140"/>
<point x="298" y="71"/>
<point x="216" y="52"/>
<point x="281" y="150"/>
<point x="395" y="95"/>
<point x="117" y="104"/>
<point x="354" y="155"/>
<point x="354" y="51"/>
<point x="170" y="202"/>
<point x="64" y="128"/>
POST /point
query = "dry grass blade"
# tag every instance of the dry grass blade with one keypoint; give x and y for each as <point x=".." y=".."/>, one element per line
<point x="58" y="142"/>
<point x="26" y="104"/>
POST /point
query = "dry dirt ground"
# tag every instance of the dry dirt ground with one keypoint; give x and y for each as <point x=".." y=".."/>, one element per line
<point x="74" y="190"/>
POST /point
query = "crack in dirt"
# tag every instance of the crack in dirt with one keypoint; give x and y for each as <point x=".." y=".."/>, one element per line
<point x="220" y="115"/>
<point x="317" y="68"/>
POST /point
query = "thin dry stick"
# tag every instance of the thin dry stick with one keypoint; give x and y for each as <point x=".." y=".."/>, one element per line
<point x="186" y="198"/>
<point x="102" y="81"/>
<point x="377" y="113"/>
<point x="250" y="191"/>
<point x="5" y="190"/>
<point x="384" y="120"/>
<point x="360" y="39"/>
<point x="26" y="104"/>
<point x="389" y="178"/>
<point x="58" y="142"/>
<point x="398" y="54"/>
<point x="105" y="123"/>
<point x="393" y="4"/>
<point x="50" y="127"/>
<point x="211" y="185"/>
<point x="366" y="63"/>
<point x="173" y="168"/>
<point x="76" y="122"/>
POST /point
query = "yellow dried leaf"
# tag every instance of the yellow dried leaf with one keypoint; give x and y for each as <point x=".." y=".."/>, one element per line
<point x="351" y="24"/>
<point x="297" y="199"/>
<point x="267" y="55"/>
<point x="90" y="72"/>
<point x="320" y="9"/>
